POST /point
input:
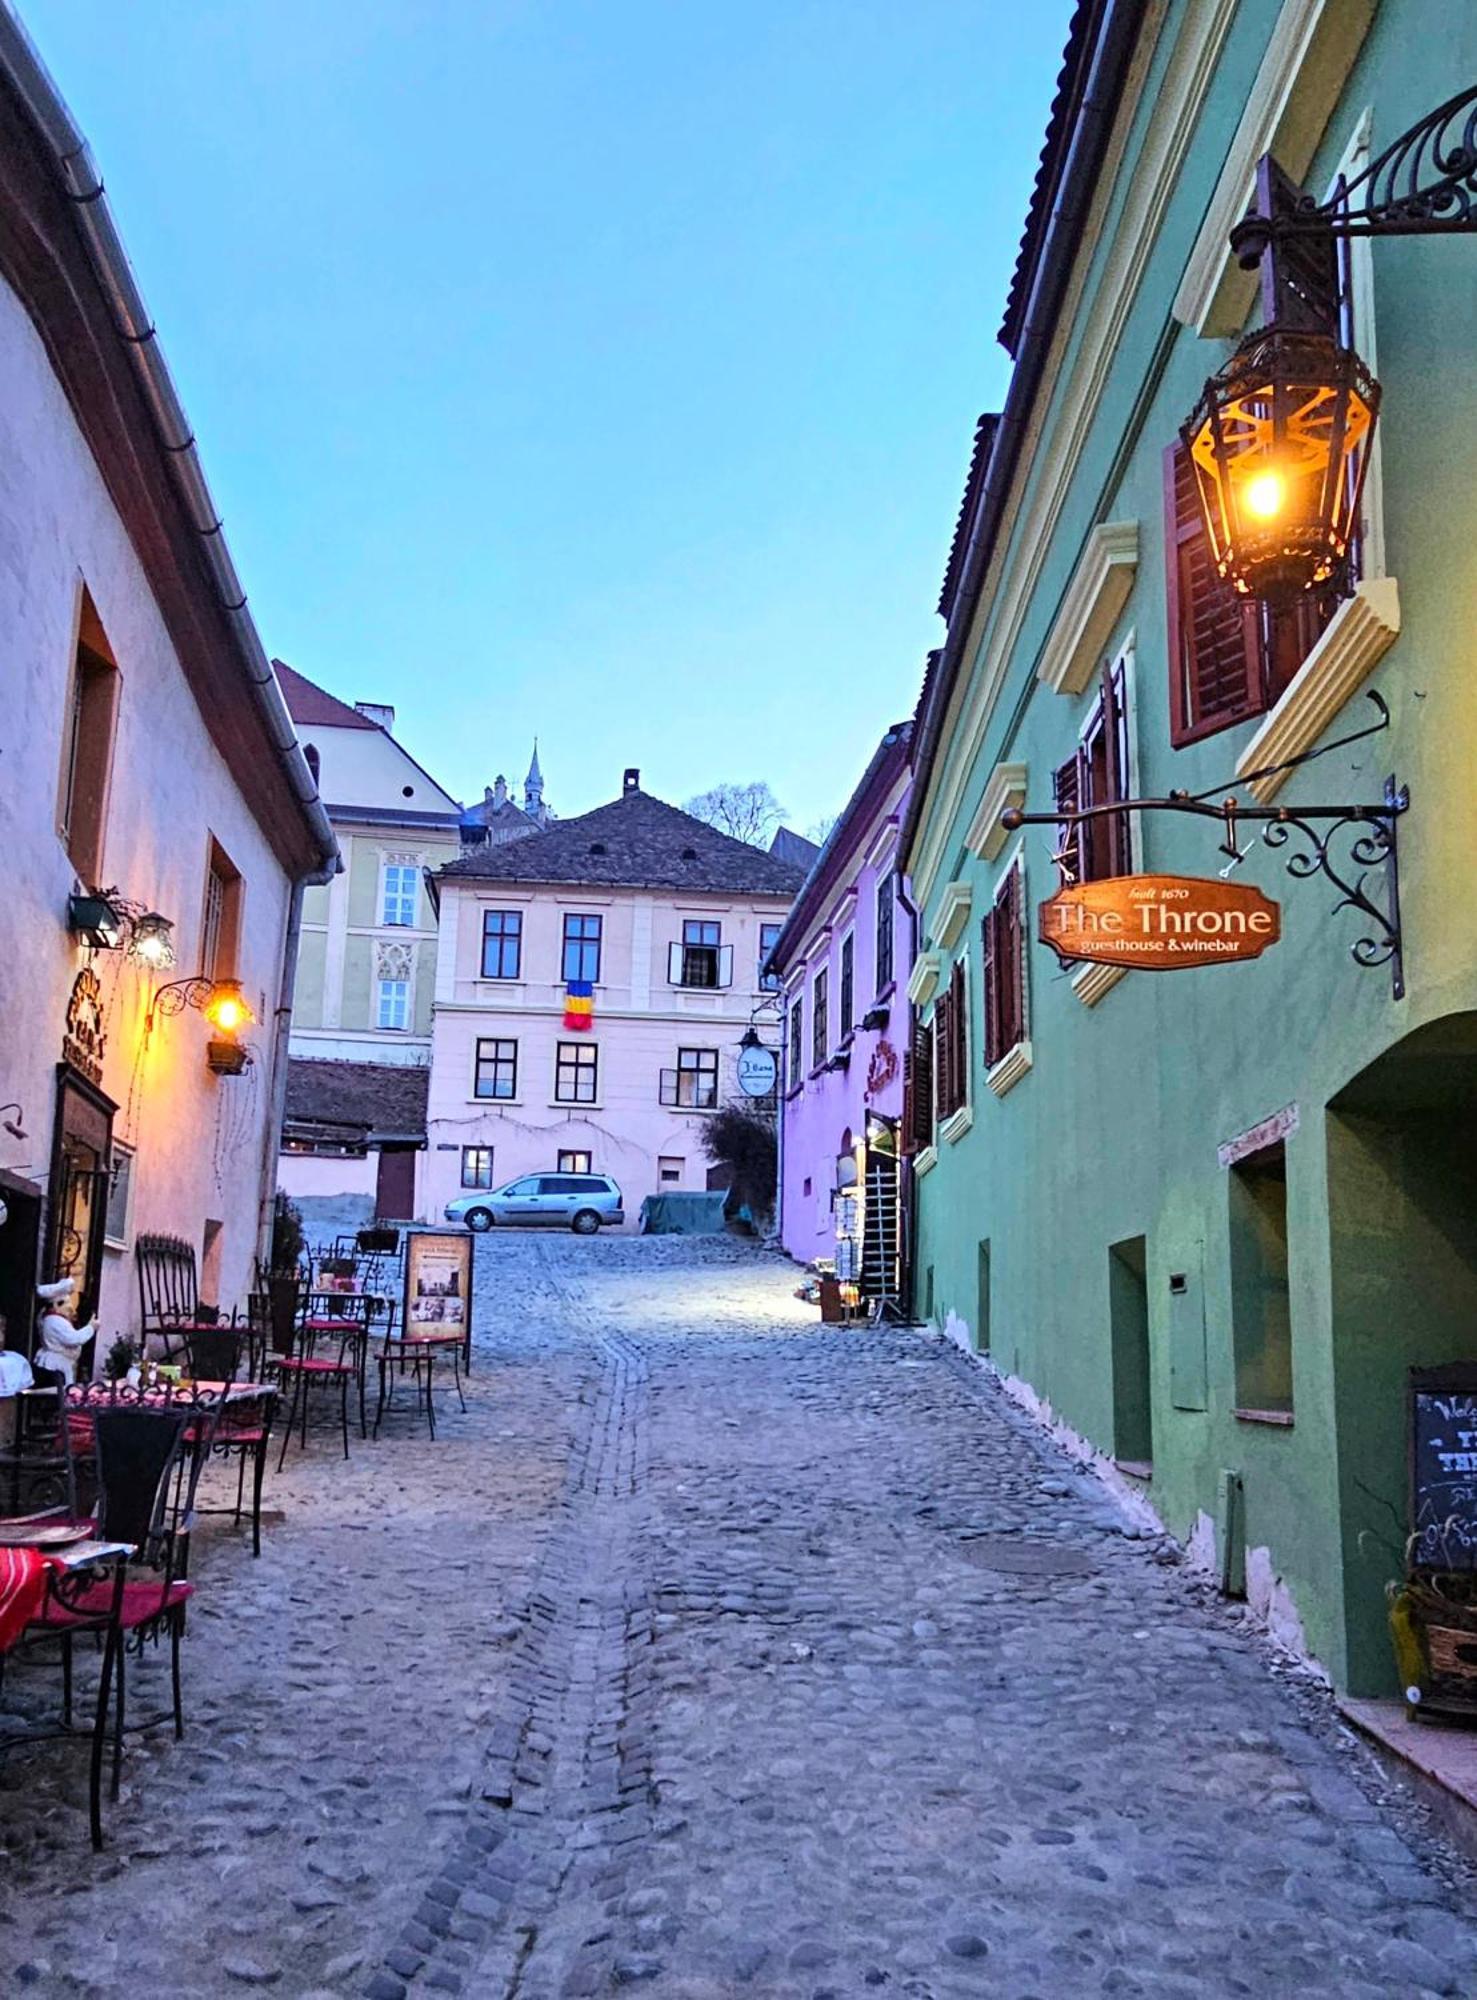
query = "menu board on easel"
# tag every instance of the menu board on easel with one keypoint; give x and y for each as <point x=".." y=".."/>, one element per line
<point x="1443" y="1467"/>
<point x="438" y="1286"/>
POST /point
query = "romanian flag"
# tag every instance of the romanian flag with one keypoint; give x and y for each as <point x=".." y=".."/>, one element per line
<point x="579" y="1006"/>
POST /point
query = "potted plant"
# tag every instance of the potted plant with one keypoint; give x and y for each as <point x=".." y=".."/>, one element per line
<point x="122" y="1356"/>
<point x="283" y="1279"/>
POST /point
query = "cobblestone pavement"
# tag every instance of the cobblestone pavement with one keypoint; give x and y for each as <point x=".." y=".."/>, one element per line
<point x="713" y="1654"/>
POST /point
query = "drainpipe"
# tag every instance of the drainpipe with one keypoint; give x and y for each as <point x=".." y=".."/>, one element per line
<point x="909" y="1203"/>
<point x="277" y="1076"/>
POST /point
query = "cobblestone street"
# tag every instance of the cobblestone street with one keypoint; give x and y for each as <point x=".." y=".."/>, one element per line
<point x="711" y="1653"/>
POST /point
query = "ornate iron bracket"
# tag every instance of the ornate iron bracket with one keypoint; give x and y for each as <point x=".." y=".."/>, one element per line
<point x="1344" y="844"/>
<point x="1423" y="185"/>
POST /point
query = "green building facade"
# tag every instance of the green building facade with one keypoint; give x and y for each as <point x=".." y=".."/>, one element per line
<point x="1211" y="1217"/>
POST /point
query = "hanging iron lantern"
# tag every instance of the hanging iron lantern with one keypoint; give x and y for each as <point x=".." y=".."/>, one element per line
<point x="1280" y="444"/>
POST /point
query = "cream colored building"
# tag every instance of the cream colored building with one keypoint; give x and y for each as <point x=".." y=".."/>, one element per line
<point x="670" y="921"/>
<point x="366" y="971"/>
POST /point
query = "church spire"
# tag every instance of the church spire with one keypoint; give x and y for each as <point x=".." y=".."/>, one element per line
<point x="533" y="787"/>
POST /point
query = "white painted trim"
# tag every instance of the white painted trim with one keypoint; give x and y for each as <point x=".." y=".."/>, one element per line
<point x="1012" y="1066"/>
<point x="1090" y="608"/>
<point x="1005" y="789"/>
<point x="1091" y="982"/>
<point x="957" y="1124"/>
<point x="925" y="1161"/>
<point x="953" y="913"/>
<point x="1309" y="55"/>
<point x="1062" y="419"/>
<point x="923" y="980"/>
<point x="1360" y="633"/>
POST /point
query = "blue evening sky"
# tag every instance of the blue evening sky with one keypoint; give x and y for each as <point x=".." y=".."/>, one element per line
<point x="600" y="370"/>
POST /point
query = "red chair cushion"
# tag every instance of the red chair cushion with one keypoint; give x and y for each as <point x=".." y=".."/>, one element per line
<point x="333" y="1325"/>
<point x="318" y="1365"/>
<point x="142" y="1603"/>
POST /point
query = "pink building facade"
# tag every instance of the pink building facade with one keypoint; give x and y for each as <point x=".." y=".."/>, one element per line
<point x="670" y="922"/>
<point x="842" y="960"/>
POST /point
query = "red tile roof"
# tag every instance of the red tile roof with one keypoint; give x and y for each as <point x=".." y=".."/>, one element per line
<point x="312" y="706"/>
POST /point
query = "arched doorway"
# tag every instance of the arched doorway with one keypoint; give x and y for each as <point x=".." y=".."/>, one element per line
<point x="1402" y="1212"/>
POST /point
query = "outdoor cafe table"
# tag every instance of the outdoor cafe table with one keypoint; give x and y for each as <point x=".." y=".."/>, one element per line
<point x="67" y="1563"/>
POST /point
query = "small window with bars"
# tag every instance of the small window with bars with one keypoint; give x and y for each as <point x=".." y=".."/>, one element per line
<point x="820" y="1043"/>
<point x="797" y="1041"/>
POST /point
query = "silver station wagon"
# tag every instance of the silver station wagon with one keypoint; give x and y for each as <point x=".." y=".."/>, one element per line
<point x="582" y="1202"/>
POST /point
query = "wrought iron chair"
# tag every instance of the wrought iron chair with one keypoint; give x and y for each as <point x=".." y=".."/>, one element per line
<point x="414" y="1353"/>
<point x="36" y="1467"/>
<point x="325" y="1351"/>
<point x="146" y="1494"/>
<point x="215" y="1356"/>
<point x="168" y="1293"/>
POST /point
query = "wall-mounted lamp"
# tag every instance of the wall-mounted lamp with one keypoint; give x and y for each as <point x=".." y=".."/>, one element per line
<point x="151" y="941"/>
<point x="96" y="919"/>
<point x="13" y="1125"/>
<point x="1281" y="437"/>
<point x="221" y="1001"/>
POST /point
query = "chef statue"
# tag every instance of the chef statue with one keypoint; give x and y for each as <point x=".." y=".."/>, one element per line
<point x="61" y="1342"/>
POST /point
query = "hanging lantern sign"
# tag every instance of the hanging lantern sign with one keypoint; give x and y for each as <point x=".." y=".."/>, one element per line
<point x="758" y="1069"/>
<point x="1159" y="923"/>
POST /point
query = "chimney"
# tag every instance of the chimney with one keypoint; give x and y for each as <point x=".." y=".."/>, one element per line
<point x="376" y="711"/>
<point x="499" y="792"/>
<point x="632" y="780"/>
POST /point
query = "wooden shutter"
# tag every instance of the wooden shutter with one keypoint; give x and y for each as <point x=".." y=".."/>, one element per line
<point x="1014" y="940"/>
<point x="1301" y="275"/>
<point x="1215" y="652"/>
<point x="1118" y="840"/>
<point x="1066" y="784"/>
<point x="922" y="1078"/>
<point x="959" y="1023"/>
<point x="990" y="971"/>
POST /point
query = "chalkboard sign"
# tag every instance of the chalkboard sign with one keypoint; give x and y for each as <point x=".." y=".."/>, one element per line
<point x="1443" y="1467"/>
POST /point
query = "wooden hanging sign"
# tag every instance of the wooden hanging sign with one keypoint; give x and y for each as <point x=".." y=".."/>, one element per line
<point x="1160" y="923"/>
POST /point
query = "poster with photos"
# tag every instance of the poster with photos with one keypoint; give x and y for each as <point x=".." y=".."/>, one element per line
<point x="438" y="1283"/>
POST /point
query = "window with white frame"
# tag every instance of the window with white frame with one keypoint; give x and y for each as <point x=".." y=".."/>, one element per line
<point x="576" y="1073"/>
<point x="398" y="890"/>
<point x="392" y="1006"/>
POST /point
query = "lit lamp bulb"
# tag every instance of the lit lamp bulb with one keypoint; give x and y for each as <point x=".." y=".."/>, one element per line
<point x="1264" y="495"/>
<point x="226" y="1008"/>
<point x="152" y="944"/>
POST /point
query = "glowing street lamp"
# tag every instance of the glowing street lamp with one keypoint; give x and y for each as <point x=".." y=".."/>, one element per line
<point x="1280" y="445"/>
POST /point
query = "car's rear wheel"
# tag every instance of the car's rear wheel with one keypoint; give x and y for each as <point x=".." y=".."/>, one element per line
<point x="479" y="1219"/>
<point x="585" y="1223"/>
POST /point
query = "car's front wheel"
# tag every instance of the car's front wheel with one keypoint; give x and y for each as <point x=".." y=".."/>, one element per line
<point x="585" y="1223"/>
<point x="479" y="1219"/>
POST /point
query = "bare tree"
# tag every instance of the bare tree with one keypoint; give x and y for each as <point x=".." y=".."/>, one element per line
<point x="821" y="832"/>
<point x="746" y="812"/>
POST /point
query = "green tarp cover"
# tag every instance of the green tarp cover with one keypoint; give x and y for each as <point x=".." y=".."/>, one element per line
<point x="683" y="1214"/>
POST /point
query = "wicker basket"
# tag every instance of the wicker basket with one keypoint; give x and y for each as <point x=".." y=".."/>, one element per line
<point x="1453" y="1654"/>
